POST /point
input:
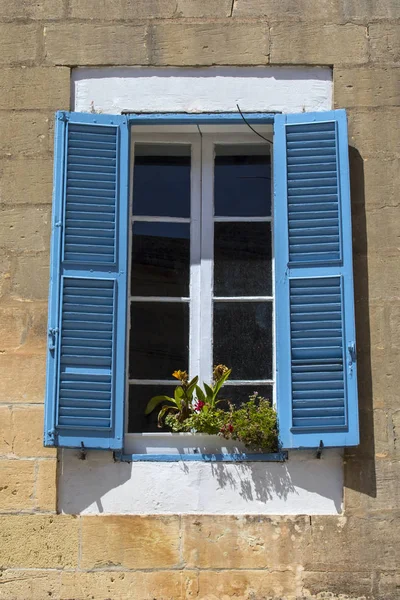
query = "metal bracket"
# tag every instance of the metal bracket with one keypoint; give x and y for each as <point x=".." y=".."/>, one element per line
<point x="62" y="116"/>
<point x="52" y="333"/>
<point x="82" y="452"/>
<point x="319" y="449"/>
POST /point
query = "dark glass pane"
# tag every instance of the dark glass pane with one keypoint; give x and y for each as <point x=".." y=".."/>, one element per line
<point x="243" y="338"/>
<point x="242" y="182"/>
<point x="242" y="259"/>
<point x="159" y="339"/>
<point x="161" y="180"/>
<point x="139" y="395"/>
<point x="160" y="259"/>
<point x="237" y="394"/>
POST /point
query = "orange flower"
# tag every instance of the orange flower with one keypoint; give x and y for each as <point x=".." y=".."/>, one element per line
<point x="181" y="375"/>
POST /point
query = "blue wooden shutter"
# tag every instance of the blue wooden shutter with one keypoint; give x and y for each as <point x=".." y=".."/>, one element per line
<point x="88" y="283"/>
<point x="316" y="370"/>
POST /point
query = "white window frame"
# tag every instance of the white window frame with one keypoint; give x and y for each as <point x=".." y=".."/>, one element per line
<point x="202" y="222"/>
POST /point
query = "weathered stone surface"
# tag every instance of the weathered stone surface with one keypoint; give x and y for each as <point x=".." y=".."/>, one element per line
<point x="308" y="43"/>
<point x="327" y="11"/>
<point x="381" y="182"/>
<point x="27" y="181"/>
<point x="344" y="541"/>
<point x="132" y="542"/>
<point x="34" y="87"/>
<point x="380" y="495"/>
<point x="157" y="585"/>
<point x="32" y="585"/>
<point x="87" y="44"/>
<point x="18" y="43"/>
<point x="124" y="10"/>
<point x="244" y="585"/>
<point x="22" y="377"/>
<point x="38" y="541"/>
<point x="366" y="87"/>
<point x="385" y="42"/>
<point x="242" y="542"/>
<point x="31" y="276"/>
<point x="373" y="132"/>
<point x="46" y="485"/>
<point x="350" y="584"/>
<point x="228" y="43"/>
<point x="365" y="11"/>
<point x="374" y="222"/>
<point x="24" y="133"/>
<point x="23" y="327"/>
<point x="28" y="432"/>
<point x="26" y="9"/>
<point x="388" y="586"/>
<point x="17" y="479"/>
<point x="5" y="274"/>
<point x="6" y="440"/>
<point x="25" y="227"/>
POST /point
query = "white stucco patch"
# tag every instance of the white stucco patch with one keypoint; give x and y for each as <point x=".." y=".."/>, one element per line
<point x="301" y="485"/>
<point x="216" y="89"/>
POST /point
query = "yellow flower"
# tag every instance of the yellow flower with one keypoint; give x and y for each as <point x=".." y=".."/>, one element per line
<point x="181" y="375"/>
<point x="219" y="371"/>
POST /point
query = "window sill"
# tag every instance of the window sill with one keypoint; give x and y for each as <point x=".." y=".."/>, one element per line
<point x="200" y="457"/>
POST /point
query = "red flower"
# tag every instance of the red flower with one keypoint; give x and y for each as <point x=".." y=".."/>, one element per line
<point x="198" y="405"/>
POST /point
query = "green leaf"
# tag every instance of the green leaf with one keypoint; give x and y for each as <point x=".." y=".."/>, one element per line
<point x="178" y="395"/>
<point x="209" y="391"/>
<point x="221" y="382"/>
<point x="190" y="388"/>
<point x="155" y="401"/>
<point x="163" y="411"/>
<point x="200" y="394"/>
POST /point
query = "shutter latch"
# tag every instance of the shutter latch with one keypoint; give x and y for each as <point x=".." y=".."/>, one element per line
<point x="52" y="338"/>
<point x="352" y="352"/>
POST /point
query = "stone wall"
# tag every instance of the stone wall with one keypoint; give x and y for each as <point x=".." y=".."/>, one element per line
<point x="45" y="555"/>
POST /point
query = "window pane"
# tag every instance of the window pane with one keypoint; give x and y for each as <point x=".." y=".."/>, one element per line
<point x="237" y="394"/>
<point x="242" y="181"/>
<point x="139" y="395"/>
<point x="160" y="259"/>
<point x="159" y="339"/>
<point x="161" y="180"/>
<point x="242" y="259"/>
<point x="243" y="338"/>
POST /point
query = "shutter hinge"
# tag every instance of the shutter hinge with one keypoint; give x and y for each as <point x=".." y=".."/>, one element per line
<point x="51" y="434"/>
<point x="58" y="224"/>
<point x="351" y="347"/>
<point x="52" y="333"/>
<point x="62" y="116"/>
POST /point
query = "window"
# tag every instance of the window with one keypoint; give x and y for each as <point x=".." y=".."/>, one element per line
<point x="201" y="265"/>
<point x="196" y="248"/>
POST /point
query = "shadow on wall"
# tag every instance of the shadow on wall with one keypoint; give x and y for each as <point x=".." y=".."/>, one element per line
<point x="359" y="469"/>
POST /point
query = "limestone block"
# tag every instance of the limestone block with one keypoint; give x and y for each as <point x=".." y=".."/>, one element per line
<point x="17" y="479"/>
<point x="343" y="541"/>
<point x="125" y="10"/>
<point x="26" y="181"/>
<point x="380" y="182"/>
<point x="384" y="219"/>
<point x="28" y="432"/>
<point x="6" y="438"/>
<point x="46" y="485"/>
<point x="385" y="42"/>
<point x="24" y="133"/>
<point x="25" y="228"/>
<point x="156" y="585"/>
<point x="362" y="11"/>
<point x="18" y="43"/>
<point x="244" y="585"/>
<point x="218" y="43"/>
<point x="358" y="87"/>
<point x="328" y="11"/>
<point x="309" y="43"/>
<point x="31" y="276"/>
<point x="388" y="585"/>
<point x="374" y="133"/>
<point x="26" y="9"/>
<point x="23" y="327"/>
<point x="35" y="87"/>
<point x="382" y="492"/>
<point x="350" y="584"/>
<point x="22" y="377"/>
<point x="133" y="542"/>
<point x="93" y="44"/>
<point x="32" y="585"/>
<point x="39" y="541"/>
<point x="231" y="542"/>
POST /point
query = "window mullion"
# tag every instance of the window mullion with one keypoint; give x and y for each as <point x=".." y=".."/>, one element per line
<point x="195" y="259"/>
